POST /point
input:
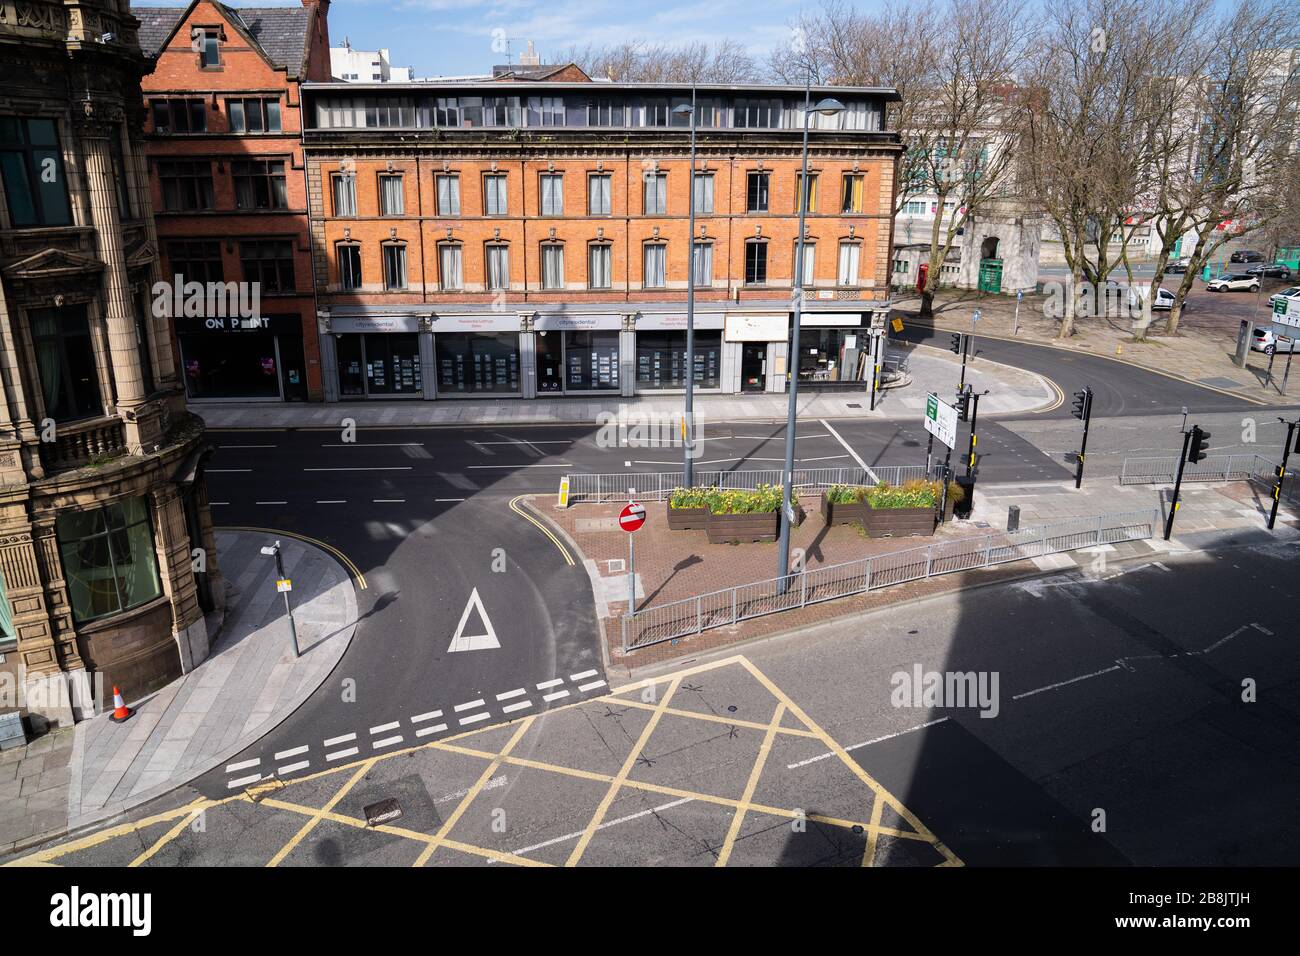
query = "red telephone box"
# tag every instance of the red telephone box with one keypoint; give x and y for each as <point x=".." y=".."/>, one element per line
<point x="922" y="274"/>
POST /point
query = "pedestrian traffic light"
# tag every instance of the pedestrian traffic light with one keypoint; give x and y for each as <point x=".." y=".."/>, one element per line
<point x="1199" y="443"/>
<point x="962" y="404"/>
<point x="955" y="348"/>
<point x="1080" y="405"/>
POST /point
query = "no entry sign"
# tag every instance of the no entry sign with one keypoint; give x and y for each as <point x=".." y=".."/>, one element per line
<point x="632" y="517"/>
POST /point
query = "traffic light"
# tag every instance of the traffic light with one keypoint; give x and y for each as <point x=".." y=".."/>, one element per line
<point x="955" y="348"/>
<point x="962" y="404"/>
<point x="1080" y="405"/>
<point x="1199" y="443"/>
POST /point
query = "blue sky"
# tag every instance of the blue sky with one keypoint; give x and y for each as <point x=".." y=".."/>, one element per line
<point x="455" y="36"/>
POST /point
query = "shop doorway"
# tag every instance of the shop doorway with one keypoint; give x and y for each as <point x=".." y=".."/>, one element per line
<point x="293" y="370"/>
<point x="753" y="368"/>
<point x="550" y="362"/>
<point x="380" y="365"/>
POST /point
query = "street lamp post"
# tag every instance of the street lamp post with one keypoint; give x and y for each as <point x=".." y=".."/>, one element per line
<point x="688" y="424"/>
<point x="826" y="107"/>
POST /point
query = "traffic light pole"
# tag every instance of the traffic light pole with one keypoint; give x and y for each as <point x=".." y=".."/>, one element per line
<point x="1178" y="483"/>
<point x="1281" y="470"/>
<point x="1083" y="446"/>
<point x="965" y="351"/>
<point x="974" y="415"/>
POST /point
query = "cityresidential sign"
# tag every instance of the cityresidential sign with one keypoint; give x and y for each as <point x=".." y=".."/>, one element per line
<point x="941" y="420"/>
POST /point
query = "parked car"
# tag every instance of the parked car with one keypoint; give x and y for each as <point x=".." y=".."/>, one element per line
<point x="1246" y="255"/>
<point x="1178" y="266"/>
<point x="1233" y="282"/>
<point x="1269" y="342"/>
<point x="1292" y="293"/>
<point x="1273" y="270"/>
<point x="1164" y="300"/>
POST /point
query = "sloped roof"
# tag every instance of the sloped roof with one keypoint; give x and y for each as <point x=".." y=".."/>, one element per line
<point x="281" y="32"/>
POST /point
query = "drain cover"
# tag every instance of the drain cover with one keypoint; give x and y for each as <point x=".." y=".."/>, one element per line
<point x="385" y="811"/>
<point x="852" y="405"/>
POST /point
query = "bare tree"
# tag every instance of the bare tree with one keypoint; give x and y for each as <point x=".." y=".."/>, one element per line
<point x="638" y="61"/>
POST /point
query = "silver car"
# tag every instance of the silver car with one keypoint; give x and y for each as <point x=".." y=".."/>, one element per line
<point x="1233" y="282"/>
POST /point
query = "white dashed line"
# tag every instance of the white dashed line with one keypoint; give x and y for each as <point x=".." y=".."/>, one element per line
<point x="421" y="718"/>
<point x="340" y="740"/>
<point x="293" y="766"/>
<point x="244" y="446"/>
<point x="283" y="754"/>
<point x="226" y="471"/>
<point x="425" y="731"/>
<point x="333" y="501"/>
<point x="608" y="823"/>
<point x="512" y="693"/>
<point x="866" y="743"/>
<point x="1072" y="680"/>
<point x="243" y="781"/>
<point x="437" y="500"/>
<point x="218" y="502"/>
<point x="511" y="708"/>
<point x="475" y="718"/>
<point x="270" y="502"/>
<point x="592" y="686"/>
<point x="386" y="742"/>
<point x="362" y="468"/>
<point x="550" y="683"/>
<point x="243" y="765"/>
<point x="583" y="676"/>
<point x="382" y="727"/>
<point x="473" y="703"/>
<point x="340" y="754"/>
<point x="556" y="696"/>
<point x="388" y="501"/>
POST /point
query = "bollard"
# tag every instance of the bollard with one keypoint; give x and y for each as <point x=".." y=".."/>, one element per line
<point x="1013" y="518"/>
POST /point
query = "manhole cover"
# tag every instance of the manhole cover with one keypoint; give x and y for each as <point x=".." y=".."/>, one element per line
<point x="385" y="811"/>
<point x="852" y="405"/>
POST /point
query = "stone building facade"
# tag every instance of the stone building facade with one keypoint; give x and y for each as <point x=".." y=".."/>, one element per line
<point x="106" y="545"/>
<point x="527" y="235"/>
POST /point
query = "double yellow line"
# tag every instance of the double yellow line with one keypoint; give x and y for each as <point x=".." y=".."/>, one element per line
<point x="343" y="558"/>
<point x="517" y="509"/>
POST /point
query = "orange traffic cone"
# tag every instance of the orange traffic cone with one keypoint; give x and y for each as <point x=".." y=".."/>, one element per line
<point x="121" y="712"/>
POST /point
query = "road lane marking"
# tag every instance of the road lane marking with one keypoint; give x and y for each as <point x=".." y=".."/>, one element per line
<point x="511" y="708"/>
<point x="608" y="823"/>
<point x="1072" y="680"/>
<point x="475" y="718"/>
<point x="386" y="742"/>
<point x="340" y="754"/>
<point x="243" y="781"/>
<point x="218" y="502"/>
<point x="284" y="754"/>
<point x="856" y="457"/>
<point x="290" y="768"/>
<point x="244" y="446"/>
<point x="421" y="718"/>
<point x="226" y="471"/>
<point x="582" y="675"/>
<point x="555" y="696"/>
<point x="425" y="731"/>
<point x="270" y="502"/>
<point x="395" y="444"/>
<point x="363" y="468"/>
<point x="332" y="501"/>
<point x="512" y="693"/>
<point x="592" y="686"/>
<point x="563" y="464"/>
<point x="866" y="743"/>
<point x="550" y="683"/>
<point x="467" y="706"/>
<point x="517" y="509"/>
<point x="340" y="740"/>
<point x="388" y="501"/>
<point x="343" y="558"/>
<point x="436" y="500"/>
<point x="383" y="727"/>
<point x="243" y="765"/>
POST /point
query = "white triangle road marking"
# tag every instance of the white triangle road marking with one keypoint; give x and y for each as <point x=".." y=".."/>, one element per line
<point x="474" y="642"/>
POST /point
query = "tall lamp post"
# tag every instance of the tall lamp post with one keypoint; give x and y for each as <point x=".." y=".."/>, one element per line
<point x="826" y="107"/>
<point x="688" y="466"/>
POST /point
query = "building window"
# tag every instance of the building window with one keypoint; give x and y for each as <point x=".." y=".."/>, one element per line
<point x="196" y="260"/>
<point x="349" y="261"/>
<point x="598" y="194"/>
<point x="900" y="266"/>
<point x="268" y="262"/>
<point x="756" y="192"/>
<point x="186" y="185"/>
<point x="552" y="266"/>
<point x="850" y="252"/>
<point x="65" y="363"/>
<point x="552" y="194"/>
<point x="812" y="192"/>
<point x="31" y="165"/>
<point x="494" y="195"/>
<point x="661" y="359"/>
<point x="448" y="195"/>
<point x="394" y="266"/>
<point x="656" y="264"/>
<point x="599" y="271"/>
<point x="477" y="361"/>
<point x="851" y="196"/>
<point x="209" y="41"/>
<point x="178" y="116"/>
<point x="253" y="115"/>
<point x="110" y="562"/>
<point x="809" y="260"/>
<point x="656" y="194"/>
<point x="259" y="184"/>
<point x="914" y="207"/>
<point x="755" y="263"/>
<point x="450" y="261"/>
<point x="702" y="264"/>
<point x="703" y="193"/>
<point x="498" y="267"/>
<point x="345" y="194"/>
<point x="391" y="200"/>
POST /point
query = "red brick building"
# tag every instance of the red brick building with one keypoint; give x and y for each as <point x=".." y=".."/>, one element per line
<point x="527" y="234"/>
<point x="223" y="139"/>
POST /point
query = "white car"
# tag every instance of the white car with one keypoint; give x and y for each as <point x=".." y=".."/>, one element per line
<point x="1164" y="300"/>
<point x="1269" y="342"/>
<point x="1233" y="282"/>
<point x="1292" y="293"/>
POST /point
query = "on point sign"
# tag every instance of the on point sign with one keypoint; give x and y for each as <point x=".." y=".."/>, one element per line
<point x="632" y="517"/>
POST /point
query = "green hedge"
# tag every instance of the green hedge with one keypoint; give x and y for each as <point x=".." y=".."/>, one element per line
<point x="918" y="493"/>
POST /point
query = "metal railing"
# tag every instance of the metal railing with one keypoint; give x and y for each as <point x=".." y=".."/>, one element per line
<point x="657" y="486"/>
<point x="1138" y="471"/>
<point x="729" y="606"/>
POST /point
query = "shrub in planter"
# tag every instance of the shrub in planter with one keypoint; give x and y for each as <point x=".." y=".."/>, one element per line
<point x="744" y="515"/>
<point x="842" y="504"/>
<point x="688" y="509"/>
<point x="896" y="510"/>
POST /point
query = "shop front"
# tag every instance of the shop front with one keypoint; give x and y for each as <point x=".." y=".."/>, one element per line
<point x="477" y="355"/>
<point x="378" y="357"/>
<point x="578" y="354"/>
<point x="661" y="352"/>
<point x="833" y="350"/>
<point x="761" y="339"/>
<point x="243" y="359"/>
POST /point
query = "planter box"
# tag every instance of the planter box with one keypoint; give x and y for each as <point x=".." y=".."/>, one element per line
<point x="724" y="529"/>
<point x="854" y="512"/>
<point x="899" y="522"/>
<point x="687" y="519"/>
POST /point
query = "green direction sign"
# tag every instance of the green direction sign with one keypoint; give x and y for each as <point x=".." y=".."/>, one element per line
<point x="931" y="407"/>
<point x="1280" y="305"/>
